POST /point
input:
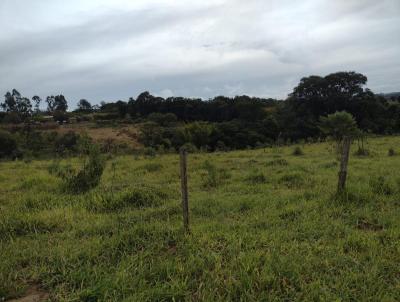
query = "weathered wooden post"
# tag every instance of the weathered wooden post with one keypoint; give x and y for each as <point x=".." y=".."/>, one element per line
<point x="343" y="164"/>
<point x="184" y="188"/>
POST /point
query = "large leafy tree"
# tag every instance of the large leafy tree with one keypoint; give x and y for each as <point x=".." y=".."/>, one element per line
<point x="324" y="95"/>
<point x="10" y="101"/>
<point x="317" y="96"/>
<point x="14" y="102"/>
<point x="84" y="105"/>
<point x="37" y="100"/>
<point x="56" y="103"/>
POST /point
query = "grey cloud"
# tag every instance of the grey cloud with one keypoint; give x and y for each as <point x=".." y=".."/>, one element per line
<point x="199" y="48"/>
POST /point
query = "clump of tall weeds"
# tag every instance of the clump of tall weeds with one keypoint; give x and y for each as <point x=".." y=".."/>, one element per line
<point x="213" y="176"/>
<point x="88" y="176"/>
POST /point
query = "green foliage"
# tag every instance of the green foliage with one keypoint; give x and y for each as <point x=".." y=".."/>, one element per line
<point x="18" y="106"/>
<point x="84" y="105"/>
<point x="67" y="142"/>
<point x="214" y="176"/>
<point x="88" y="177"/>
<point x="150" y="152"/>
<point x="338" y="125"/>
<point x="189" y="147"/>
<point x="298" y="151"/>
<point x="266" y="242"/>
<point x="8" y="144"/>
<point x="391" y="152"/>
<point x="56" y="103"/>
<point x="165" y="120"/>
<point x="60" y="116"/>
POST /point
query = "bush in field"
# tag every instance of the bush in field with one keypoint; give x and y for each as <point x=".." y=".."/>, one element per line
<point x="150" y="152"/>
<point x="298" y="151"/>
<point x="88" y="177"/>
<point x="213" y="176"/>
<point x="338" y="125"/>
<point x="391" y="152"/>
<point x="60" y="116"/>
<point x="8" y="144"/>
<point x="189" y="147"/>
<point x="69" y="141"/>
<point x="90" y="174"/>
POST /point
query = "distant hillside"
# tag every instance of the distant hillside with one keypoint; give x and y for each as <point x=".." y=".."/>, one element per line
<point x="390" y="94"/>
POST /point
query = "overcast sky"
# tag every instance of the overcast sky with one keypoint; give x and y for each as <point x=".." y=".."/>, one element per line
<point x="109" y="50"/>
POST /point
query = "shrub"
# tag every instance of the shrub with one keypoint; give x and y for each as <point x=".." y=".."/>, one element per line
<point x="150" y="152"/>
<point x="391" y="152"/>
<point x="298" y="151"/>
<point x="339" y="125"/>
<point x="8" y="144"/>
<point x="90" y="175"/>
<point x="213" y="176"/>
<point x="68" y="141"/>
<point x="85" y="179"/>
<point x="190" y="148"/>
<point x="60" y="116"/>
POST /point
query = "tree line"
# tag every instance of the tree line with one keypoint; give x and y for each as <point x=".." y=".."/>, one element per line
<point x="231" y="122"/>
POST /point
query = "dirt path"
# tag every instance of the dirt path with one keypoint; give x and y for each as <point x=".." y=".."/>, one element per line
<point x="33" y="294"/>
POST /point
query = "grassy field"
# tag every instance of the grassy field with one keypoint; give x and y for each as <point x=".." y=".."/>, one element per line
<point x="264" y="227"/>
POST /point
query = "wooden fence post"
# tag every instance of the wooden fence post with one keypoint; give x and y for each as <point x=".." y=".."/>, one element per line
<point x="185" y="195"/>
<point x="343" y="164"/>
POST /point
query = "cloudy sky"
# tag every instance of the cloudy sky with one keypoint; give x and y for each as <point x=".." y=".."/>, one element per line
<point x="114" y="49"/>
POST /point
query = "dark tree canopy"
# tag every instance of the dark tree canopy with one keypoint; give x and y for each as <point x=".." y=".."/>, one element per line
<point x="317" y="96"/>
<point x="14" y="102"/>
<point x="56" y="103"/>
<point x="37" y="100"/>
<point x="84" y="105"/>
<point x="235" y="122"/>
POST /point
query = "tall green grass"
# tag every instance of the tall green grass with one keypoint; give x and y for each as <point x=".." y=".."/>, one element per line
<point x="265" y="226"/>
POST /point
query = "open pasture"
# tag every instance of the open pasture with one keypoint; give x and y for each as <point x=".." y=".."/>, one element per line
<point x="265" y="226"/>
